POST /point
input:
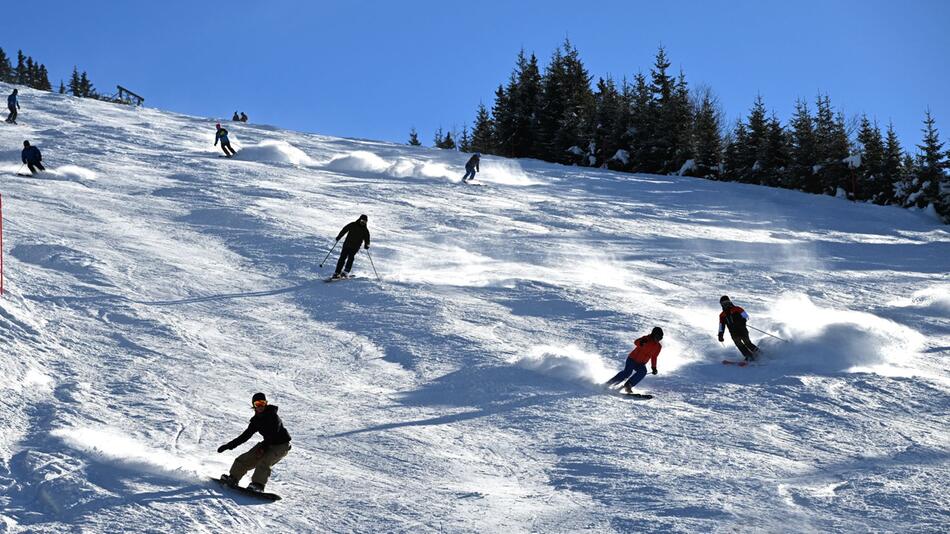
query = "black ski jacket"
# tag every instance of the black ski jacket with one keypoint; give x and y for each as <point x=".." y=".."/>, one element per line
<point x="31" y="154"/>
<point x="473" y="163"/>
<point x="356" y="234"/>
<point x="270" y="426"/>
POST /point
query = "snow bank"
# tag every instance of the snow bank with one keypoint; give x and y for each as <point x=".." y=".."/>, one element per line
<point x="113" y="446"/>
<point x="569" y="363"/>
<point x="359" y="161"/>
<point x="828" y="340"/>
<point x="363" y="161"/>
<point x="274" y="152"/>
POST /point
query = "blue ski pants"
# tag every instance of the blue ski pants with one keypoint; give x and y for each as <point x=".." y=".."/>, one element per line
<point x="638" y="370"/>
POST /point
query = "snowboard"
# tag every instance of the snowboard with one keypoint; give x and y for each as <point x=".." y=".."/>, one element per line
<point x="737" y="363"/>
<point x="636" y="396"/>
<point x="259" y="494"/>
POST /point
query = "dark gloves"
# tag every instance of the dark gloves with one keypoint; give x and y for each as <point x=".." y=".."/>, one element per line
<point x="366" y="247"/>
<point x="654" y="370"/>
<point x="222" y="448"/>
<point x="720" y="338"/>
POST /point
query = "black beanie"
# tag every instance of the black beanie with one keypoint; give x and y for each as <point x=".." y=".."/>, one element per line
<point x="363" y="218"/>
<point x="724" y="298"/>
<point x="258" y="396"/>
<point x="657" y="333"/>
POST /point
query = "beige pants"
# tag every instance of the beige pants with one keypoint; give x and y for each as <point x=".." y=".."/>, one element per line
<point x="260" y="458"/>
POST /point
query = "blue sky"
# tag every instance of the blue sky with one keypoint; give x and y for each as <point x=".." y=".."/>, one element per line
<point x="373" y="69"/>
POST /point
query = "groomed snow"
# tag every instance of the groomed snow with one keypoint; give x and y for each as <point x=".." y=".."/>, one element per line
<point x="151" y="287"/>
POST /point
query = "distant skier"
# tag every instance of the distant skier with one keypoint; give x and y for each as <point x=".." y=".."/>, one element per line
<point x="222" y="135"/>
<point x="264" y="455"/>
<point x="472" y="167"/>
<point x="236" y="117"/>
<point x="32" y="158"/>
<point x="243" y="117"/>
<point x="735" y="318"/>
<point x="646" y="349"/>
<point x="356" y="234"/>
<point x="13" y="104"/>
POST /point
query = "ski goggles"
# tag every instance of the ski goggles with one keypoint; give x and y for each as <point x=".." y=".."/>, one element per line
<point x="260" y="403"/>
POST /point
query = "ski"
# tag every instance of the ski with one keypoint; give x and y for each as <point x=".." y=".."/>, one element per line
<point x="636" y="396"/>
<point x="259" y="494"/>
<point x="738" y="363"/>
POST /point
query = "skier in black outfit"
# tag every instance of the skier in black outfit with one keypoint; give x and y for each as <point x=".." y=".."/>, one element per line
<point x="472" y="167"/>
<point x="264" y="455"/>
<point x="236" y="117"/>
<point x="734" y="318"/>
<point x="13" y="105"/>
<point x="356" y="234"/>
<point x="32" y="158"/>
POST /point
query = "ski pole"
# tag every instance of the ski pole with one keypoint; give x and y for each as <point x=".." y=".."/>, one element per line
<point x="373" y="264"/>
<point x="20" y="169"/>
<point x="328" y="254"/>
<point x="766" y="333"/>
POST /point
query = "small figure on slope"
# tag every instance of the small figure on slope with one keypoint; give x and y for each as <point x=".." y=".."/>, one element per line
<point x="13" y="104"/>
<point x="734" y="318"/>
<point x="264" y="455"/>
<point x="32" y="158"/>
<point x="356" y="234"/>
<point x="236" y="117"/>
<point x="222" y="135"/>
<point x="243" y="117"/>
<point x="472" y="167"/>
<point x="646" y="349"/>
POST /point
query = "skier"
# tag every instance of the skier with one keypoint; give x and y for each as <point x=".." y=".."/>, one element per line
<point x="646" y="349"/>
<point x="356" y="234"/>
<point x="222" y="135"/>
<point x="264" y="455"/>
<point x="735" y="318"/>
<point x="472" y="167"/>
<point x="13" y="104"/>
<point x="236" y="117"/>
<point x="32" y="158"/>
<point x="243" y="117"/>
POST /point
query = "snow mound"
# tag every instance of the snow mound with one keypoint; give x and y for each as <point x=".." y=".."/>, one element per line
<point x="829" y="340"/>
<point x="504" y="172"/>
<point x="935" y="298"/>
<point x="409" y="168"/>
<point x="274" y="152"/>
<point x="568" y="363"/>
<point x="358" y="161"/>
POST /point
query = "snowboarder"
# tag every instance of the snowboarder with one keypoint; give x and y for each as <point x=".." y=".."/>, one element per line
<point x="646" y="349"/>
<point x="264" y="455"/>
<point x="243" y="117"/>
<point x="472" y="167"/>
<point x="236" y="117"/>
<point x="13" y="104"/>
<point x="222" y="135"/>
<point x="32" y="158"/>
<point x="356" y="234"/>
<point x="735" y="318"/>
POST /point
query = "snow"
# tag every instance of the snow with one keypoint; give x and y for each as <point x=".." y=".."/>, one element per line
<point x="151" y="287"/>
<point x="688" y="166"/>
<point x="622" y="156"/>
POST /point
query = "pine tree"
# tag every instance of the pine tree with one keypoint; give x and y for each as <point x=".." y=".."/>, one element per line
<point x="503" y="122"/>
<point x="75" y="86"/>
<point x="7" y="73"/>
<point x="775" y="155"/>
<point x="707" y="136"/>
<point x="550" y="110"/>
<point x="438" y="138"/>
<point x="931" y="168"/>
<point x="447" y="142"/>
<point x="681" y="119"/>
<point x="86" y="87"/>
<point x="739" y="157"/>
<point x="573" y="136"/>
<point x="642" y="125"/>
<point x="483" y="132"/>
<point x="414" y="137"/>
<point x="524" y="93"/>
<point x="660" y="154"/>
<point x="757" y="127"/>
<point x="873" y="185"/>
<point x="465" y="141"/>
<point x="42" y="79"/>
<point x="892" y="169"/>
<point x="62" y="88"/>
<point x="21" y="74"/>
<point x="803" y="151"/>
<point x="832" y="147"/>
<point x="31" y="74"/>
<point x="609" y="111"/>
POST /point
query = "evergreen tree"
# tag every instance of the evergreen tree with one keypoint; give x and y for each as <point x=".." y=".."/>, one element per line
<point x="42" y="79"/>
<point x="465" y="141"/>
<point x="642" y="125"/>
<point x="756" y="150"/>
<point x="739" y="157"/>
<point x="62" y="88"/>
<point x="414" y="137"/>
<point x="503" y="122"/>
<point x="483" y="132"/>
<point x="448" y="143"/>
<point x="438" y="138"/>
<point x="550" y="110"/>
<point x="775" y="154"/>
<point x="873" y="184"/>
<point x="30" y="79"/>
<point x="931" y="168"/>
<point x="892" y="169"/>
<point x="833" y="147"/>
<point x="7" y="74"/>
<point x="707" y="136"/>
<point x="524" y="94"/>
<point x="803" y="151"/>
<point x="681" y="118"/>
<point x="86" y="87"/>
<point x="609" y="111"/>
<point x="660" y="155"/>
<point x="75" y="86"/>
<point x="21" y="74"/>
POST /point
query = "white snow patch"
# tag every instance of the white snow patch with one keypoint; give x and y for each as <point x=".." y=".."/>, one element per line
<point x="358" y="161"/>
<point x="73" y="173"/>
<point x="936" y="298"/>
<point x="566" y="362"/>
<point x="271" y="151"/>
<point x="505" y="172"/>
<point x="622" y="156"/>
<point x="690" y="165"/>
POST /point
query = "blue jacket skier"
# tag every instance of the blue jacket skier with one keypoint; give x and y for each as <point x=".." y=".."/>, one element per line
<point x="472" y="167"/>
<point x="221" y="135"/>
<point x="32" y="158"/>
<point x="13" y="104"/>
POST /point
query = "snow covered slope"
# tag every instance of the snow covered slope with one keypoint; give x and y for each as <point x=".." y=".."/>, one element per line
<point x="152" y="287"/>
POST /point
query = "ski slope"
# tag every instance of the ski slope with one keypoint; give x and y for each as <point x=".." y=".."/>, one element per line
<point x="151" y="287"/>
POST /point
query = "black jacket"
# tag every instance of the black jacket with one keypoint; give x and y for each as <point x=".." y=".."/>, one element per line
<point x="356" y="234"/>
<point x="473" y="163"/>
<point x="269" y="425"/>
<point x="31" y="154"/>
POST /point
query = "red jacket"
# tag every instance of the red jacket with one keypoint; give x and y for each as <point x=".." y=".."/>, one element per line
<point x="646" y="350"/>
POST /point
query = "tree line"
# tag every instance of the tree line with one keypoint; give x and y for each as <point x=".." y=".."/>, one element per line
<point x="31" y="73"/>
<point x="658" y="124"/>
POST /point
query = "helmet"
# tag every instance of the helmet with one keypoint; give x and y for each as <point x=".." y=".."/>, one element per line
<point x="258" y="396"/>
<point x="218" y="125"/>
<point x="26" y="143"/>
<point x="478" y="154"/>
<point x="657" y="333"/>
<point x="363" y="218"/>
